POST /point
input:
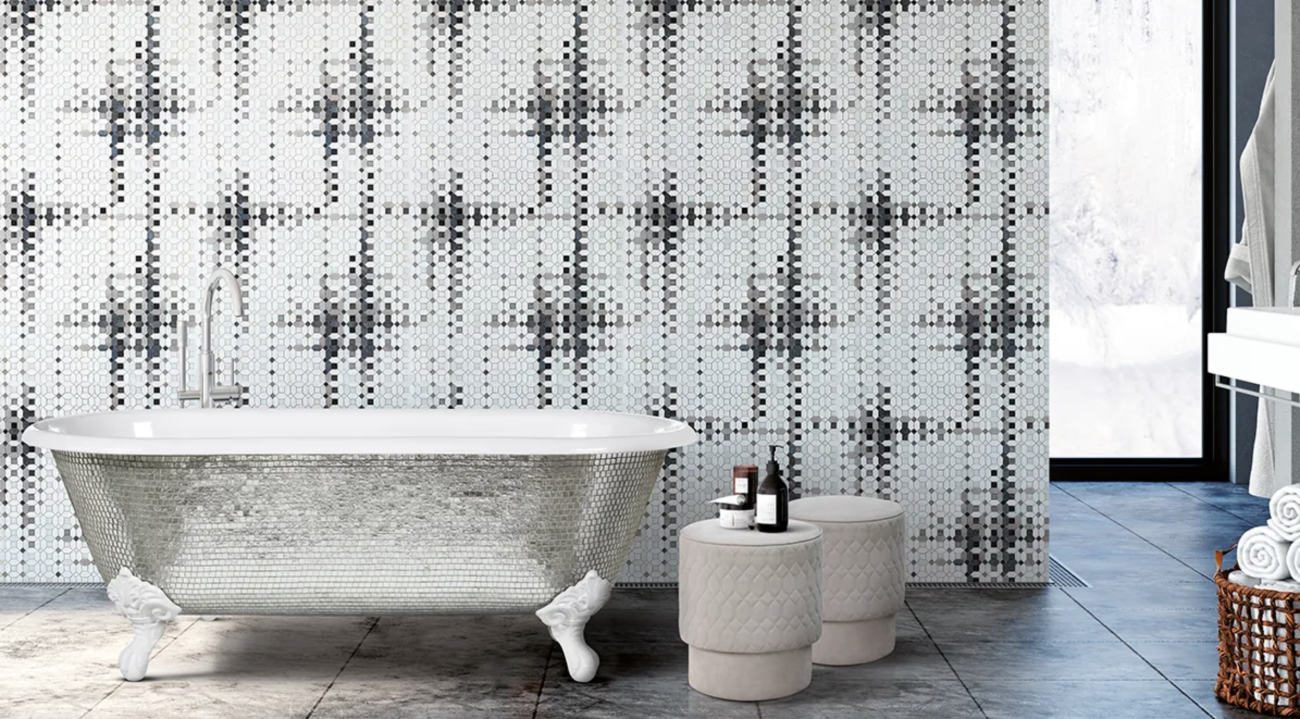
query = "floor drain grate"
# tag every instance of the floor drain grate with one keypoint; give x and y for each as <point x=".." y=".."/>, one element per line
<point x="1061" y="576"/>
<point x="1058" y="575"/>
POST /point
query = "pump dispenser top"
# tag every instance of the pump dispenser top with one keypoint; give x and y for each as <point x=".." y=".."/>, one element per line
<point x="772" y="467"/>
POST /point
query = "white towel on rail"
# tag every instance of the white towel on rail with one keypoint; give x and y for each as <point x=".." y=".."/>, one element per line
<point x="1250" y="267"/>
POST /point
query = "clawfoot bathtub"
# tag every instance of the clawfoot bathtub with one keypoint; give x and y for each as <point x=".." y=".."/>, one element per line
<point x="251" y="511"/>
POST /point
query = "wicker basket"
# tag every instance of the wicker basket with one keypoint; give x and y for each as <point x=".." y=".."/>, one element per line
<point x="1257" y="648"/>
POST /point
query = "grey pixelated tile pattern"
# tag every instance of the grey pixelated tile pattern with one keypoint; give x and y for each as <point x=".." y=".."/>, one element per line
<point x="821" y="224"/>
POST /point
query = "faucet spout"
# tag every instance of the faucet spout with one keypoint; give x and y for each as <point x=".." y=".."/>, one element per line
<point x="210" y="291"/>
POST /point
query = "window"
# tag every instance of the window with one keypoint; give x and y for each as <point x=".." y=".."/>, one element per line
<point x="1130" y="300"/>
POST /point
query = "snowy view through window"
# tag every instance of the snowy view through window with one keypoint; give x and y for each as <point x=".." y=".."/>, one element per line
<point x="1125" y="228"/>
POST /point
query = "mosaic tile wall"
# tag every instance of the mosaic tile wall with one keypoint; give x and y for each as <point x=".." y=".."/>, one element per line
<point x="818" y="223"/>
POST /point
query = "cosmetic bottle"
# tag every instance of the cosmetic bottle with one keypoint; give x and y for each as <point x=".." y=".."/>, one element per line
<point x="730" y="512"/>
<point x="744" y="483"/>
<point x="773" y="506"/>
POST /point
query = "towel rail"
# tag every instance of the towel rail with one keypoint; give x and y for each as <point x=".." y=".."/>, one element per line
<point x="1218" y="382"/>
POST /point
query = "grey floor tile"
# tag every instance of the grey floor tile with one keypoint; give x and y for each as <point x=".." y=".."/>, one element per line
<point x="642" y="599"/>
<point x="1234" y="498"/>
<point x="1203" y="693"/>
<point x="1020" y="599"/>
<point x="1095" y="532"/>
<point x="1099" y="567"/>
<point x="1252" y="515"/>
<point x="85" y="598"/>
<point x="1205" y="520"/>
<point x="1204" y="535"/>
<point x="1210" y="536"/>
<point x="17" y="602"/>
<point x="906" y="625"/>
<point x="437" y="666"/>
<point x="1058" y="490"/>
<point x="1125" y="498"/>
<point x="1043" y="661"/>
<point x="632" y="615"/>
<point x="1098" y="532"/>
<point x="1201" y="560"/>
<point x="1109" y="542"/>
<point x="62" y="660"/>
<point x="1065" y="506"/>
<point x="413" y="704"/>
<point x="1110" y="492"/>
<point x="241" y="667"/>
<point x="1181" y="661"/>
<point x="1173" y="507"/>
<point x="1020" y="616"/>
<point x="1080" y="489"/>
<point x="1159" y="625"/>
<point x="1083" y="700"/>
<point x="1243" y="505"/>
<point x="1186" y="595"/>
<point x="619" y="697"/>
<point x="893" y="699"/>
<point x="914" y="658"/>
<point x="653" y="661"/>
<point x="1129" y="561"/>
<point x="1126" y="495"/>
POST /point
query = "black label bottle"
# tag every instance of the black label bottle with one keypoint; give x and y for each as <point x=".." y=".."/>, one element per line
<point x="773" y="510"/>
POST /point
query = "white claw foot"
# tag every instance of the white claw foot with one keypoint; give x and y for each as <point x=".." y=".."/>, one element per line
<point x="148" y="610"/>
<point x="567" y="617"/>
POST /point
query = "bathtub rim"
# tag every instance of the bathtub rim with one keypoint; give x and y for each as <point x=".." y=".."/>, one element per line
<point x="57" y="434"/>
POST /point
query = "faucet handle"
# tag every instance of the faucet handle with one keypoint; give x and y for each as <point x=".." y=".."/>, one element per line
<point x="225" y="393"/>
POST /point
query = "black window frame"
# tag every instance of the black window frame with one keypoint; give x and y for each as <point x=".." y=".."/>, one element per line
<point x="1212" y="465"/>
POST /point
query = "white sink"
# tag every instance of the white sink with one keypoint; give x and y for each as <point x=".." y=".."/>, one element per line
<point x="1262" y="345"/>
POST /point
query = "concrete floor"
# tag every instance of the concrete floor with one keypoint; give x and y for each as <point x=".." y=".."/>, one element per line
<point x="1139" y="643"/>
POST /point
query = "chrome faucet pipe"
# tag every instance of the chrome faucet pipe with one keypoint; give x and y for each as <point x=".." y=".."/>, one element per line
<point x="206" y="377"/>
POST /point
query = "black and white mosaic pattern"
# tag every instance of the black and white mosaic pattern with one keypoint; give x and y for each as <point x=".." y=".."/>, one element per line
<point x="820" y="224"/>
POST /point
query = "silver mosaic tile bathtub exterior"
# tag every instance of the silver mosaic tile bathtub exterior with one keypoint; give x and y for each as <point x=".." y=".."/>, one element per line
<point x="821" y="224"/>
<point x="360" y="534"/>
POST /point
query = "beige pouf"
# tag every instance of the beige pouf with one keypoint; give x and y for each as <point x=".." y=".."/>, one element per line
<point x="862" y="585"/>
<point x="750" y="608"/>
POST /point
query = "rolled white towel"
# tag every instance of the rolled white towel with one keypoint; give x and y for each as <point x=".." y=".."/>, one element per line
<point x="1285" y="585"/>
<point x="1292" y="564"/>
<point x="1284" y="512"/>
<point x="1261" y="552"/>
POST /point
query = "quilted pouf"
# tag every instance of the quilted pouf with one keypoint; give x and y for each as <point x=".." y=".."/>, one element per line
<point x="862" y="586"/>
<point x="750" y="608"/>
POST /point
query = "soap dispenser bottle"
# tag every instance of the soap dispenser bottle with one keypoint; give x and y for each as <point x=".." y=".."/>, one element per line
<point x="773" y="513"/>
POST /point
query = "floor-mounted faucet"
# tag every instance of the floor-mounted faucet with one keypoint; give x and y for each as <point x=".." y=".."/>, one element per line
<point x="209" y="392"/>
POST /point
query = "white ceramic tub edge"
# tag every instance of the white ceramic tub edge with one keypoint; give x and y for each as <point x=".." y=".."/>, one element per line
<point x="176" y="432"/>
